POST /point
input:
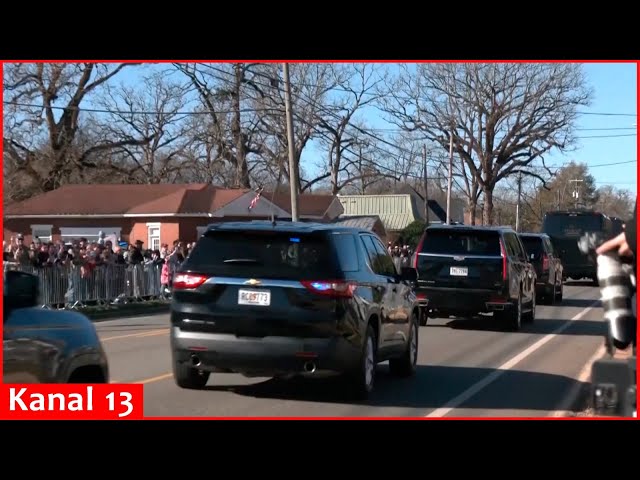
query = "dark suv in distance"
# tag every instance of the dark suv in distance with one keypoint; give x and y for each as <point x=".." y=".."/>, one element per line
<point x="466" y="270"/>
<point x="548" y="266"/>
<point x="265" y="299"/>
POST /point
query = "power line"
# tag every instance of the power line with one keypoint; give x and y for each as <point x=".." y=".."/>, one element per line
<point x="609" y="114"/>
<point x="610" y="136"/>
<point x="612" y="163"/>
<point x="139" y="112"/>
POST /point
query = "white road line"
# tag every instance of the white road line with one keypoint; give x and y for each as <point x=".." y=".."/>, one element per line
<point x="508" y="365"/>
<point x="564" y="409"/>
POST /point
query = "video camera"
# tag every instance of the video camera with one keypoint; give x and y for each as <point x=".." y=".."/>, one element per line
<point x="614" y="380"/>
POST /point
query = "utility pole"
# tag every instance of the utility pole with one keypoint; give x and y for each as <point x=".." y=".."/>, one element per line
<point x="426" y="184"/>
<point x="576" y="190"/>
<point x="450" y="177"/>
<point x="518" y="204"/>
<point x="293" y="181"/>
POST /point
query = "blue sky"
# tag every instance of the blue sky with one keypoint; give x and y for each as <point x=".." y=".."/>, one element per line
<point x="613" y="137"/>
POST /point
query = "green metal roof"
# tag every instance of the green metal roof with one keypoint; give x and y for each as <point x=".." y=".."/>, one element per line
<point x="395" y="211"/>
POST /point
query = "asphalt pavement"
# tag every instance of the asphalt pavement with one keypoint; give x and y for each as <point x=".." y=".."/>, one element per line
<point x="467" y="368"/>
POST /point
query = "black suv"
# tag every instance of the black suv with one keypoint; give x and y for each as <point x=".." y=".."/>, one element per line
<point x="465" y="270"/>
<point x="262" y="299"/>
<point x="548" y="266"/>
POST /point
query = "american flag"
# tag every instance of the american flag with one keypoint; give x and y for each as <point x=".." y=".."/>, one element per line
<point x="253" y="203"/>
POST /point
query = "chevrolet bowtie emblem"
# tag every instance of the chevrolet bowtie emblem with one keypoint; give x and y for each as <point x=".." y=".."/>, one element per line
<point x="252" y="281"/>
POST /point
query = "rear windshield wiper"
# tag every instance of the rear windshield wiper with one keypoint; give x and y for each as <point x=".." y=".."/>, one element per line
<point x="243" y="260"/>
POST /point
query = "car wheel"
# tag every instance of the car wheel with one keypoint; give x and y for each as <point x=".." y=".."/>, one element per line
<point x="424" y="317"/>
<point x="188" y="377"/>
<point x="531" y="316"/>
<point x="405" y="366"/>
<point x="514" y="317"/>
<point x="364" y="378"/>
<point x="553" y="294"/>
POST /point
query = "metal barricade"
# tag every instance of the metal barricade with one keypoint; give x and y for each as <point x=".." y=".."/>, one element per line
<point x="75" y="287"/>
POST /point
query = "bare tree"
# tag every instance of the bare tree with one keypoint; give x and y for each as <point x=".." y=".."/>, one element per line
<point x="337" y="125"/>
<point x="155" y="113"/>
<point x="310" y="84"/>
<point x="501" y="117"/>
<point x="233" y="122"/>
<point x="42" y="118"/>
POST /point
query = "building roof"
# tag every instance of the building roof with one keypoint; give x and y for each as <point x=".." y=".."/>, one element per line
<point x="156" y="199"/>
<point x="396" y="211"/>
<point x="119" y="199"/>
<point x="309" y="204"/>
<point x="368" y="222"/>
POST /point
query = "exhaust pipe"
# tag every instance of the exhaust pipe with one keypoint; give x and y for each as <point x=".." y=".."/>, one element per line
<point x="195" y="360"/>
<point x="309" y="367"/>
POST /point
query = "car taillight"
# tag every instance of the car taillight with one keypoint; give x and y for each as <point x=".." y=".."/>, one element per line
<point x="545" y="262"/>
<point x="185" y="281"/>
<point x="330" y="288"/>
<point x="504" y="261"/>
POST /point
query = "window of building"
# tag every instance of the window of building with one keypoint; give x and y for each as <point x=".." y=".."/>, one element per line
<point x="153" y="230"/>
<point x="43" y="232"/>
<point x="92" y="234"/>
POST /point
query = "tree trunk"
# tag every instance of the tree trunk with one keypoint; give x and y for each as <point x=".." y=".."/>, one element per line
<point x="472" y="207"/>
<point x="487" y="211"/>
<point x="335" y="170"/>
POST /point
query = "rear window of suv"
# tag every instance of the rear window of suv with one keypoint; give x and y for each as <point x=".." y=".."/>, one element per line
<point x="533" y="245"/>
<point x="463" y="242"/>
<point x="265" y="254"/>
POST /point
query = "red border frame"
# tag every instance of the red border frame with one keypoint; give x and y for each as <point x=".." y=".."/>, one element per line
<point x="341" y="61"/>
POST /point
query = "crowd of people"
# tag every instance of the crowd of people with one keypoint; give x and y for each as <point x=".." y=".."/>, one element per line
<point x="88" y="255"/>
<point x="400" y="253"/>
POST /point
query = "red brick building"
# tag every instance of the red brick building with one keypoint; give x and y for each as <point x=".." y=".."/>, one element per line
<point x="155" y="214"/>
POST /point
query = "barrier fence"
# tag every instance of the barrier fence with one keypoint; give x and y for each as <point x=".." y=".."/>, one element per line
<point x="74" y="287"/>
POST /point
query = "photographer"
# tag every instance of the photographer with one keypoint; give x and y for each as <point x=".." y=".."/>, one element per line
<point x="625" y="242"/>
<point x="614" y="379"/>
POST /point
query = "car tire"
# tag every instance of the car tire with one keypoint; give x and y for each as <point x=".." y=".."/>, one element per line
<point x="363" y="379"/>
<point x="188" y="377"/>
<point x="560" y="293"/>
<point x="551" y="295"/>
<point x="405" y="365"/>
<point x="513" y="317"/>
<point x="424" y="317"/>
<point x="530" y="317"/>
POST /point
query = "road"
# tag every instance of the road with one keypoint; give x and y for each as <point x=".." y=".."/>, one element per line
<point x="467" y="368"/>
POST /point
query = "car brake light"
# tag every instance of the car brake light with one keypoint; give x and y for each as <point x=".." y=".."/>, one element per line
<point x="330" y="288"/>
<point x="185" y="281"/>
<point x="545" y="262"/>
<point x="504" y="261"/>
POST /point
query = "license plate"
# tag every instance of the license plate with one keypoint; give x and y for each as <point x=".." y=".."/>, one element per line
<point x="261" y="298"/>
<point x="459" y="271"/>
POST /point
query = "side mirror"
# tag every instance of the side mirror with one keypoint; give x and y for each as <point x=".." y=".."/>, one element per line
<point x="21" y="289"/>
<point x="409" y="274"/>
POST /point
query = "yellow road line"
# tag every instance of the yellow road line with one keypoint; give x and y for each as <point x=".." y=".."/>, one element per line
<point x="152" y="333"/>
<point x="148" y="380"/>
<point x="155" y="379"/>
